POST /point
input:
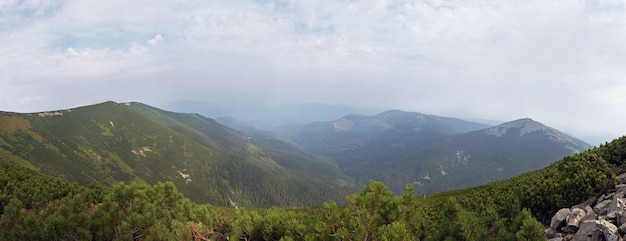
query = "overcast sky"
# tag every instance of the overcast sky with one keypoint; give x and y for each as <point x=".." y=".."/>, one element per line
<point x="562" y="63"/>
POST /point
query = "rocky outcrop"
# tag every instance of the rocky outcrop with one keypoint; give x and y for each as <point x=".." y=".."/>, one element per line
<point x="597" y="219"/>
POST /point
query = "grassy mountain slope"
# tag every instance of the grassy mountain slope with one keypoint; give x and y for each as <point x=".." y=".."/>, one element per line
<point x="110" y="142"/>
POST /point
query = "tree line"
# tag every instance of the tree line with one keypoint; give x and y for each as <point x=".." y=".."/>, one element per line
<point x="36" y="207"/>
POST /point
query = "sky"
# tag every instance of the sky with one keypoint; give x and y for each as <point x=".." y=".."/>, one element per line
<point x="560" y="62"/>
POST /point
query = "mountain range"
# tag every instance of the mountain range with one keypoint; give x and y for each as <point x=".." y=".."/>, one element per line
<point x="289" y="165"/>
<point x="434" y="153"/>
<point x="113" y="142"/>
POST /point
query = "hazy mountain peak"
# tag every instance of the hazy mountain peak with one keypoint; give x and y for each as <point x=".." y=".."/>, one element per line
<point x="523" y="126"/>
<point x="401" y="114"/>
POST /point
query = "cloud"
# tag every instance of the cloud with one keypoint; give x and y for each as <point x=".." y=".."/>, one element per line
<point x="17" y="13"/>
<point x="30" y="99"/>
<point x="556" y="60"/>
<point x="157" y="40"/>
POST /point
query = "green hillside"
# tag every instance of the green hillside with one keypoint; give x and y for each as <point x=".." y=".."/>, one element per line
<point x="36" y="207"/>
<point x="109" y="143"/>
<point x="434" y="153"/>
<point x="478" y="157"/>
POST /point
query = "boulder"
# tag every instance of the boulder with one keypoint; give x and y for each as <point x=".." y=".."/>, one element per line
<point x="617" y="204"/>
<point x="574" y="219"/>
<point x="609" y="230"/>
<point x="588" y="231"/>
<point x="590" y="214"/>
<point x="558" y="220"/>
<point x="602" y="207"/>
<point x="596" y="219"/>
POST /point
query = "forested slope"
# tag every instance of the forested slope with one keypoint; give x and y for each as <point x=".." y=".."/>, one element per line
<point x="434" y="153"/>
<point x="36" y="207"/>
<point x="113" y="142"/>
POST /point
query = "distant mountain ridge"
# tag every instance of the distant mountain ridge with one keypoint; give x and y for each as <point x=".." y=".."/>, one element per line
<point x="131" y="142"/>
<point x="271" y="115"/>
<point x="390" y="128"/>
<point x="495" y="153"/>
<point x="434" y="153"/>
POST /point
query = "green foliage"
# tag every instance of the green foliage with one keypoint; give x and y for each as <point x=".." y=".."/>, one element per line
<point x="137" y="211"/>
<point x="36" y="207"/>
<point x="395" y="231"/>
<point x="531" y="230"/>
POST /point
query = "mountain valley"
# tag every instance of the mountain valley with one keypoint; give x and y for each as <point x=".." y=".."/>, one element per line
<point x="290" y="165"/>
<point x="138" y="172"/>
<point x="431" y="152"/>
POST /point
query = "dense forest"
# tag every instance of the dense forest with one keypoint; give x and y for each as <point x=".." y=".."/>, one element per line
<point x="37" y="207"/>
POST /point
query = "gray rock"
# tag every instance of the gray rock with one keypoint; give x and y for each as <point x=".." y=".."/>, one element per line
<point x="558" y="220"/>
<point x="602" y="207"/>
<point x="617" y="204"/>
<point x="609" y="230"/>
<point x="589" y="202"/>
<point x="588" y="231"/>
<point x="593" y="220"/>
<point x="574" y="219"/>
<point x="590" y="214"/>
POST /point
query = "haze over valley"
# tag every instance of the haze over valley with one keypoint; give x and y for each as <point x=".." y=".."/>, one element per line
<point x="559" y="62"/>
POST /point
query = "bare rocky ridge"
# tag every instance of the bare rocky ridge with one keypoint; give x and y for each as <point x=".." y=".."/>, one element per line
<point x="597" y="219"/>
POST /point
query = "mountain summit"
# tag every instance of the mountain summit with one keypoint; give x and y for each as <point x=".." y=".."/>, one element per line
<point x="521" y="127"/>
<point x="527" y="126"/>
